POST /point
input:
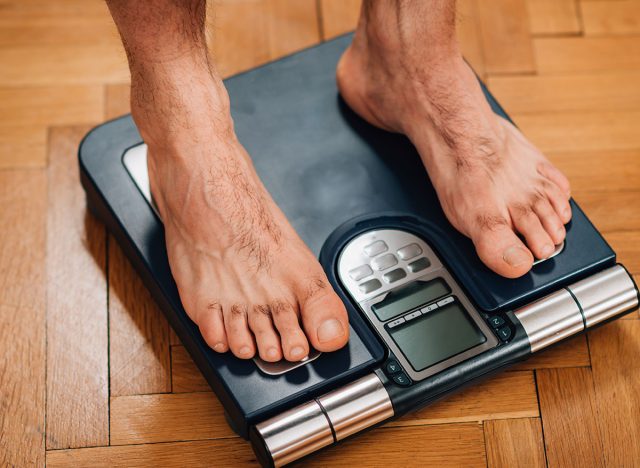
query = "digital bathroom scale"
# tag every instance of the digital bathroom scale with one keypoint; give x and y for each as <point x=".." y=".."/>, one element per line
<point x="426" y="316"/>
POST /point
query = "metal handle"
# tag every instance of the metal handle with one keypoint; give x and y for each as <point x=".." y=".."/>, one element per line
<point x="321" y="422"/>
<point x="582" y="305"/>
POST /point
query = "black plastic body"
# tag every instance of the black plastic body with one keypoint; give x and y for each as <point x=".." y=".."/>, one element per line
<point x="324" y="166"/>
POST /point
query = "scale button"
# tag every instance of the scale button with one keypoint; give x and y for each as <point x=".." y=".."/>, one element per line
<point x="395" y="323"/>
<point x="429" y="308"/>
<point x="496" y="321"/>
<point x="445" y="301"/>
<point x="384" y="262"/>
<point x="412" y="315"/>
<point x="409" y="251"/>
<point x="394" y="275"/>
<point x="504" y="333"/>
<point x="392" y="367"/>
<point x="376" y="248"/>
<point x="419" y="264"/>
<point x="370" y="285"/>
<point x="361" y="272"/>
<point x="401" y="379"/>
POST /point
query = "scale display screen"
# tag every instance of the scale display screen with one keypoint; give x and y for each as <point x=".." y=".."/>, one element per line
<point x="437" y="336"/>
<point x="412" y="296"/>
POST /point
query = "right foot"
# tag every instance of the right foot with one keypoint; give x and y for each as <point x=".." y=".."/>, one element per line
<point x="243" y="274"/>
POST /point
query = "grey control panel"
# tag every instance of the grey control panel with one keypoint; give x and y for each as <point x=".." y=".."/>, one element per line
<point x="413" y="302"/>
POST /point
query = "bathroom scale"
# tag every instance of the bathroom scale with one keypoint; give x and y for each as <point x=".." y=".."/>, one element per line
<point x="426" y="316"/>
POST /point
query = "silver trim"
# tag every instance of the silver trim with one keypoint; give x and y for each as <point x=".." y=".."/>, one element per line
<point x="550" y="319"/>
<point x="559" y="248"/>
<point x="357" y="406"/>
<point x="605" y="294"/>
<point x="295" y="433"/>
<point x="283" y="366"/>
<point x="304" y="429"/>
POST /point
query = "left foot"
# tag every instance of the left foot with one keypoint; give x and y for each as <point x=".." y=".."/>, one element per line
<point x="491" y="181"/>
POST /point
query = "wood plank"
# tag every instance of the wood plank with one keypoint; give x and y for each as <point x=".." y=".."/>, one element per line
<point x="615" y="355"/>
<point x="51" y="105"/>
<point x="139" y="359"/>
<point x="23" y="146"/>
<point x="278" y="27"/>
<point x="514" y="443"/>
<point x="338" y="16"/>
<point x="586" y="54"/>
<point x="77" y="369"/>
<point x="468" y="32"/>
<point x="505" y="37"/>
<point x="117" y="100"/>
<point x="582" y="131"/>
<point x="600" y="171"/>
<point x="167" y="417"/>
<point x="63" y="22"/>
<point x="611" y="211"/>
<point x="69" y="65"/>
<point x="22" y="250"/>
<point x="627" y="246"/>
<point x="507" y="395"/>
<point x="557" y="93"/>
<point x="569" y="353"/>
<point x="185" y="376"/>
<point x="449" y="445"/>
<point x="26" y="112"/>
<point x="196" y="416"/>
<point x="222" y="453"/>
<point x="22" y="317"/>
<point x="553" y="17"/>
<point x="570" y="417"/>
<point x="607" y="18"/>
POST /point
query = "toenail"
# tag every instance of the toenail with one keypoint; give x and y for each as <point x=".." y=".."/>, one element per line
<point x="245" y="350"/>
<point x="219" y="347"/>
<point x="560" y="232"/>
<point x="516" y="256"/>
<point x="297" y="352"/>
<point x="567" y="212"/>
<point x="547" y="250"/>
<point x="330" y="330"/>
<point x="272" y="353"/>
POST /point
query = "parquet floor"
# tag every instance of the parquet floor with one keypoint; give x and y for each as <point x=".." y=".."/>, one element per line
<point x="91" y="374"/>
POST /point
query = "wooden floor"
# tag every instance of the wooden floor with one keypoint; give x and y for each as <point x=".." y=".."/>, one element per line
<point x="91" y="374"/>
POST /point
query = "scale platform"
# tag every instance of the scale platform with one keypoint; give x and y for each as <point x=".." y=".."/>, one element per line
<point x="426" y="316"/>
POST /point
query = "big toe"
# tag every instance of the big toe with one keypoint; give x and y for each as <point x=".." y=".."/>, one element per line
<point x="500" y="249"/>
<point x="324" y="317"/>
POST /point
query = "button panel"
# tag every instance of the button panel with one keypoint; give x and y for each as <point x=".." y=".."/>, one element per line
<point x="384" y="261"/>
<point x="360" y="272"/>
<point x="409" y="251"/>
<point x="395" y="275"/>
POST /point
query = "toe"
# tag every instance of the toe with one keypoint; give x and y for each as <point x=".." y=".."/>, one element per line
<point x="549" y="171"/>
<point x="550" y="220"/>
<point x="528" y="224"/>
<point x="211" y="326"/>
<point x="240" y="339"/>
<point x="560" y="202"/>
<point x="266" y="337"/>
<point x="499" y="248"/>
<point x="294" y="344"/>
<point x="324" y="316"/>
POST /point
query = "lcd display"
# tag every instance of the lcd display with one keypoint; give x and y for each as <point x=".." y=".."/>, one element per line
<point x="410" y="297"/>
<point x="437" y="336"/>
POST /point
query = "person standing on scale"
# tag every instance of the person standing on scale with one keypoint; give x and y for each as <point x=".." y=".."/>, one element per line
<point x="243" y="274"/>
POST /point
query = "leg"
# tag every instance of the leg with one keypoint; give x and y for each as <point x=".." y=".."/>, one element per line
<point x="243" y="274"/>
<point x="404" y="72"/>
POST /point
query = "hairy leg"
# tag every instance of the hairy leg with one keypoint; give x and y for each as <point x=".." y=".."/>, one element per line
<point x="243" y="274"/>
<point x="404" y="72"/>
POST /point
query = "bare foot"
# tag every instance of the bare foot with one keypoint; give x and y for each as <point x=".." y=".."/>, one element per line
<point x="492" y="182"/>
<point x="244" y="276"/>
